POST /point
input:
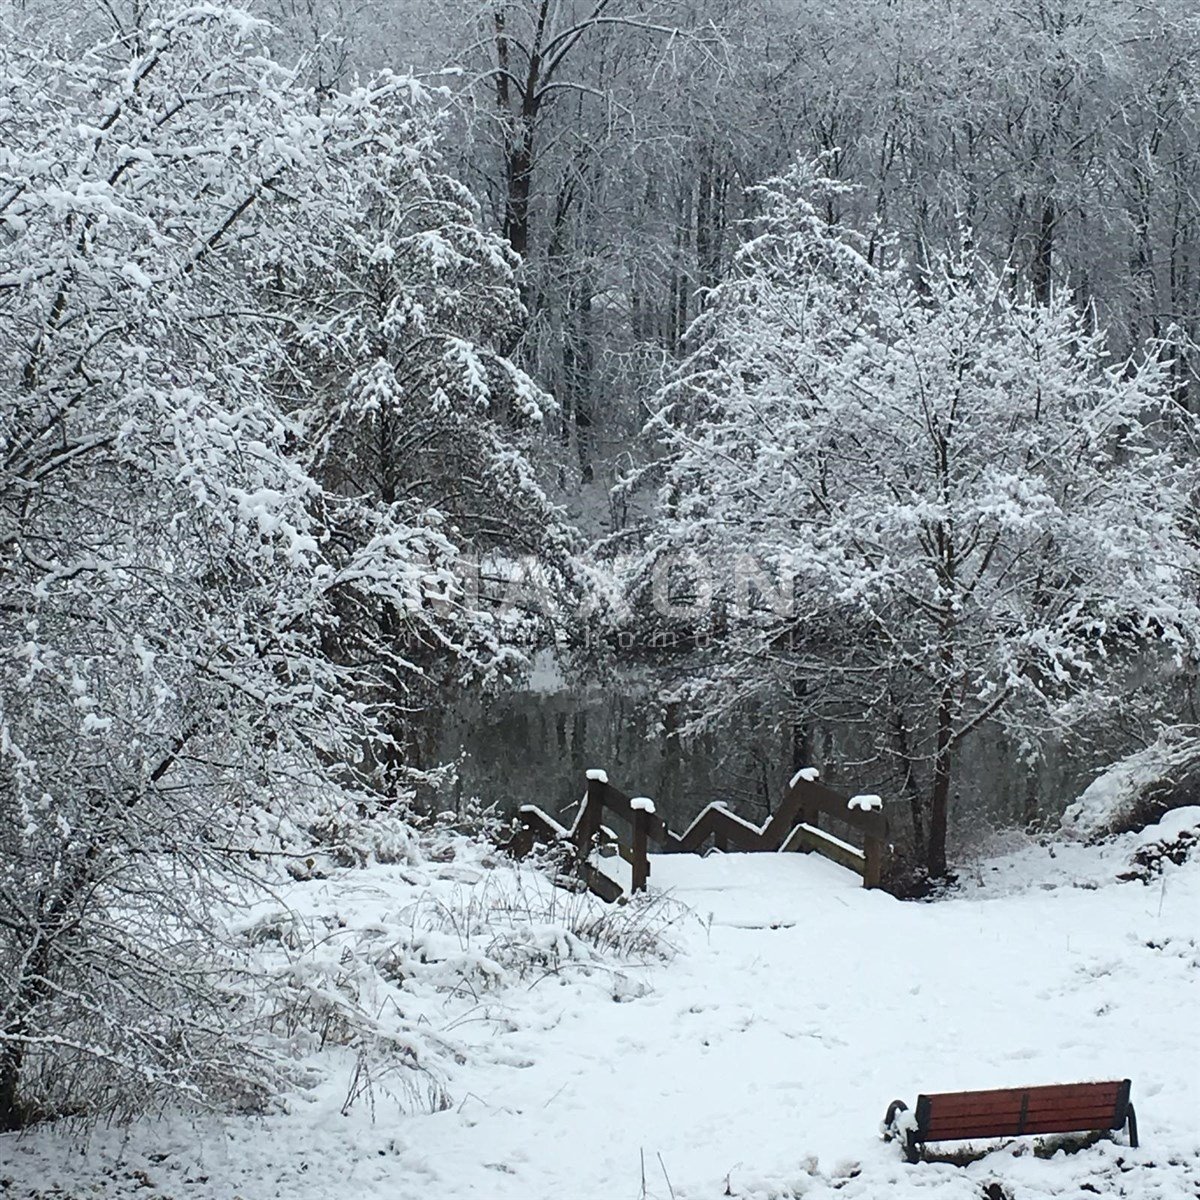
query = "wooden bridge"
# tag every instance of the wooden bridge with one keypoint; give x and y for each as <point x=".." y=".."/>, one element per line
<point x="794" y="826"/>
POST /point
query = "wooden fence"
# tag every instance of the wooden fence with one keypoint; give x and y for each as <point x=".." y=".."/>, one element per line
<point x="794" y="826"/>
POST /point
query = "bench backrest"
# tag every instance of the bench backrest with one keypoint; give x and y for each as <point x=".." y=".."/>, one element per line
<point x="1011" y="1112"/>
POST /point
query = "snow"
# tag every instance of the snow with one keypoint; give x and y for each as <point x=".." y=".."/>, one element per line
<point x="731" y="815"/>
<point x="1110" y="797"/>
<point x="808" y="774"/>
<point x="822" y="835"/>
<point x="533" y="810"/>
<point x="137" y="276"/>
<point x="757" y="1062"/>
<point x="546" y="676"/>
<point x="642" y="804"/>
<point x="905" y="1122"/>
<point x="598" y="775"/>
<point x="867" y="802"/>
<point x="1172" y="824"/>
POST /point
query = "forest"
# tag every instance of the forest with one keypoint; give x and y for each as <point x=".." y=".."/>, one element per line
<point x="834" y="370"/>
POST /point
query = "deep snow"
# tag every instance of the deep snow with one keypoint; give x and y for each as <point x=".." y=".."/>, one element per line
<point x="757" y="1062"/>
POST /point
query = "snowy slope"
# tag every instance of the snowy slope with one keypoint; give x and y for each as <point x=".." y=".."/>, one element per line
<point x="759" y="1061"/>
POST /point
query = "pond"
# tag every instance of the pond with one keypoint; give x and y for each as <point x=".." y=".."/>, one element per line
<point x="534" y="746"/>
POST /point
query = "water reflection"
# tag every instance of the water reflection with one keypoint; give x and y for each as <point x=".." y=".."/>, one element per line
<point x="534" y="746"/>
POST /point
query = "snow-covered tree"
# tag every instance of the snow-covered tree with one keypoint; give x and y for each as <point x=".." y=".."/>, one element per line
<point x="955" y="509"/>
<point x="402" y="309"/>
<point x="204" y="625"/>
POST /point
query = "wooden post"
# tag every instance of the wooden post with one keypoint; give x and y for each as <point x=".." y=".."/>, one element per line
<point x="641" y="860"/>
<point x="811" y="810"/>
<point x="591" y="818"/>
<point x="810" y="813"/>
<point x="522" y="842"/>
<point x="641" y="809"/>
<point x="874" y="850"/>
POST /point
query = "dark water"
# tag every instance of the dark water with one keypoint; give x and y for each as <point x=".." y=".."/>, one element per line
<point x="534" y="747"/>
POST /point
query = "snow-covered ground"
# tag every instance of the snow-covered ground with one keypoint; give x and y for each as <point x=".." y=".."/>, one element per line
<point x="755" y="1062"/>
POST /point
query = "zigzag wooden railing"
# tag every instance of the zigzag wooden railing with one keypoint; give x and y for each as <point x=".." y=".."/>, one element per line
<point x="793" y="826"/>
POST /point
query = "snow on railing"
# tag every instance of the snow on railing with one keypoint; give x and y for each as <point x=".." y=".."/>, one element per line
<point x="868" y="802"/>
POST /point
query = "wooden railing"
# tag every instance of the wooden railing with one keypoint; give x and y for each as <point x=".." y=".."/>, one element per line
<point x="794" y="826"/>
<point x="589" y="833"/>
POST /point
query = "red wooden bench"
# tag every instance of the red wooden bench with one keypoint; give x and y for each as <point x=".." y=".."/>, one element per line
<point x="1010" y="1112"/>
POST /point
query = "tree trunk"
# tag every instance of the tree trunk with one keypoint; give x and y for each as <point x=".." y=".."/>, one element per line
<point x="669" y="774"/>
<point x="800" y="743"/>
<point x="1043" y="258"/>
<point x="11" y="1113"/>
<point x="910" y="788"/>
<point x="1030" y="812"/>
<point x="27" y="990"/>
<point x="939" y="807"/>
<point x="520" y="182"/>
<point x="916" y="807"/>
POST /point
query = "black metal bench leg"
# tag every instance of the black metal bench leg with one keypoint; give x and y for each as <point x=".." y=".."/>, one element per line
<point x="889" y="1128"/>
<point x="912" y="1152"/>
<point x="1131" y="1125"/>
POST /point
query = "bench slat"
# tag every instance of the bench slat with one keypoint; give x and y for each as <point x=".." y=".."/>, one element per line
<point x="967" y="1127"/>
<point x="999" y="1111"/>
<point x="1014" y="1114"/>
<point x="1050" y="1125"/>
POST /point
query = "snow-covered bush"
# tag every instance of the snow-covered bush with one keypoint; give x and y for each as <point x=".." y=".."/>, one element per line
<point x="919" y="508"/>
<point x="1175" y="840"/>
<point x="208" y="636"/>
<point x="386" y="961"/>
